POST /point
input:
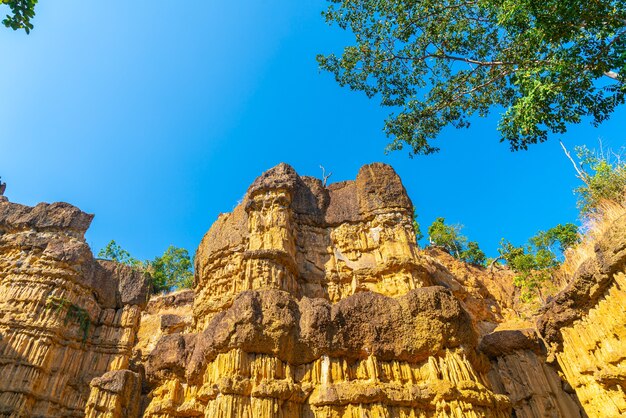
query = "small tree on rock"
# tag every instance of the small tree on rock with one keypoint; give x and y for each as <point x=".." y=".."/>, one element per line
<point x="449" y="237"/>
<point x="171" y="270"/>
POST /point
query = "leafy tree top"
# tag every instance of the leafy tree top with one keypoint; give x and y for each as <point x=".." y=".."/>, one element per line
<point x="536" y="262"/>
<point x="450" y="238"/>
<point x="113" y="251"/>
<point x="438" y="62"/>
<point x="172" y="270"/>
<point x="447" y="236"/>
<point x="22" y="11"/>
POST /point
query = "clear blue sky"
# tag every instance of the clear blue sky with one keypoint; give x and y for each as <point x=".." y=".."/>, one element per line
<point x="157" y="116"/>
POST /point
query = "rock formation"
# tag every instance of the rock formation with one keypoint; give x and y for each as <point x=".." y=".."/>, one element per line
<point x="309" y="301"/>
<point x="584" y="326"/>
<point x="315" y="301"/>
<point x="65" y="318"/>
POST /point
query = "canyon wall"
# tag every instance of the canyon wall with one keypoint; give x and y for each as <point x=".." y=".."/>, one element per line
<point x="315" y="301"/>
<point x="65" y="318"/>
<point x="585" y="326"/>
<point x="309" y="301"/>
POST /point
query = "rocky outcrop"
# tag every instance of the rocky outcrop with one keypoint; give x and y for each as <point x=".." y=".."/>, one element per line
<point x="308" y="302"/>
<point x="115" y="394"/>
<point x="293" y="234"/>
<point x="65" y="318"/>
<point x="164" y="315"/>
<point x="316" y="302"/>
<point x="519" y="370"/>
<point x="585" y="326"/>
<point x="269" y="355"/>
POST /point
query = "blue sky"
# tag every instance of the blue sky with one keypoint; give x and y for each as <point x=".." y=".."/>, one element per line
<point x="157" y="118"/>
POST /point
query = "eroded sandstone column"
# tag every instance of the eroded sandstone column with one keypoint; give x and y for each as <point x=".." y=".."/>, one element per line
<point x="64" y="317"/>
<point x="313" y="302"/>
<point x="585" y="326"/>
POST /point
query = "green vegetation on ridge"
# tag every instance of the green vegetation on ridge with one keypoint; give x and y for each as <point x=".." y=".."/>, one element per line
<point x="172" y="270"/>
<point x="603" y="176"/>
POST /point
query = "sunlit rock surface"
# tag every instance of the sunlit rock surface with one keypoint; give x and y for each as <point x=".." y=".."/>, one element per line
<point x="65" y="318"/>
<point x="309" y="301"/>
<point x="585" y="327"/>
<point x="292" y="233"/>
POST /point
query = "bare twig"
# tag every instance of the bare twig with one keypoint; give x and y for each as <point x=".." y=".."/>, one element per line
<point x="578" y="167"/>
<point x="324" y="176"/>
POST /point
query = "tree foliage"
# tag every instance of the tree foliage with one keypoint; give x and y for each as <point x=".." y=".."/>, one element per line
<point x="536" y="262"/>
<point x="473" y="254"/>
<point x="22" y="11"/>
<point x="604" y="178"/>
<point x="172" y="270"/>
<point x="548" y="63"/>
<point x="113" y="251"/>
<point x="449" y="237"/>
<point x="417" y="228"/>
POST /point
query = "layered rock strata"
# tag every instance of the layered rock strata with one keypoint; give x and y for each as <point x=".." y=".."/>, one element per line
<point x="308" y="302"/>
<point x="270" y="355"/>
<point x="314" y="301"/>
<point x="585" y="326"/>
<point x="293" y="234"/>
<point x="164" y="315"/>
<point x="520" y="371"/>
<point x="65" y="318"/>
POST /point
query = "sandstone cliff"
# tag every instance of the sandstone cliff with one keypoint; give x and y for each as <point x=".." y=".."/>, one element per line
<point x="317" y="302"/>
<point x="308" y="301"/>
<point x="65" y="318"/>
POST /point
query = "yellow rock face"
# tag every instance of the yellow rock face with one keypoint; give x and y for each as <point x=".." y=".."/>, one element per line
<point x="585" y="327"/>
<point x="164" y="315"/>
<point x="593" y="358"/>
<point x="291" y="233"/>
<point x="313" y="302"/>
<point x="309" y="302"/>
<point x="240" y="384"/>
<point x="63" y="321"/>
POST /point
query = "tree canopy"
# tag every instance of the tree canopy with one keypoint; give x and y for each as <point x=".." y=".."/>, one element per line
<point x="113" y="251"/>
<point x="22" y="11"/>
<point x="535" y="263"/>
<point x="436" y="63"/>
<point x="172" y="270"/>
<point x="449" y="238"/>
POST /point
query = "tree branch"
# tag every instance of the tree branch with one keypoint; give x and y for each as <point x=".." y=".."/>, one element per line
<point x="579" y="170"/>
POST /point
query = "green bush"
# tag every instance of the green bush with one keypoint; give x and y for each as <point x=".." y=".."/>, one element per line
<point x="171" y="270"/>
<point x="603" y="176"/>
<point x="114" y="252"/>
<point x="536" y="262"/>
<point x="449" y="237"/>
<point x="417" y="228"/>
<point x="473" y="254"/>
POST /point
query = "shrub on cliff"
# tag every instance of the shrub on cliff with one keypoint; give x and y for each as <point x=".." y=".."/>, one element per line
<point x="603" y="175"/>
<point x="417" y="228"/>
<point x="113" y="251"/>
<point x="171" y="270"/>
<point x="449" y="238"/>
<point x="536" y="262"/>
